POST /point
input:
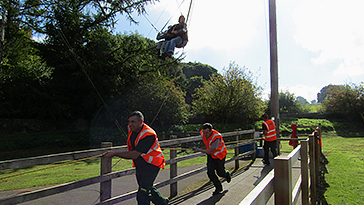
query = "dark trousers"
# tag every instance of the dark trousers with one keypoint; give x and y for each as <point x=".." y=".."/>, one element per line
<point x="273" y="148"/>
<point x="147" y="192"/>
<point x="218" y="166"/>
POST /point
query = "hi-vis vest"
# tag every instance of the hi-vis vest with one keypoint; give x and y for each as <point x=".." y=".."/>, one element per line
<point x="271" y="130"/>
<point x="220" y="151"/>
<point x="318" y="137"/>
<point x="154" y="155"/>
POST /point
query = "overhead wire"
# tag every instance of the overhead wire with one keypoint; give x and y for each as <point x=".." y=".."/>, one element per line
<point x="89" y="79"/>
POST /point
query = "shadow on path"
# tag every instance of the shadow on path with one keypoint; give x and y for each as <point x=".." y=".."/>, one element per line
<point x="207" y="187"/>
<point x="213" y="199"/>
<point x="179" y="199"/>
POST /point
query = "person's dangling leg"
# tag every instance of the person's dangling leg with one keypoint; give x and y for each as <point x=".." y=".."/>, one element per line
<point x="170" y="46"/>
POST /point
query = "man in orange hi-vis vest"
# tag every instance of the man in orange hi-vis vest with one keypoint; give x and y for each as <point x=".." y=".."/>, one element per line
<point x="216" y="153"/>
<point x="270" y="140"/>
<point x="147" y="156"/>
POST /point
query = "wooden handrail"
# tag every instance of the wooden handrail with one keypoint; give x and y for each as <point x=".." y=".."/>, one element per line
<point x="19" y="163"/>
<point x="282" y="189"/>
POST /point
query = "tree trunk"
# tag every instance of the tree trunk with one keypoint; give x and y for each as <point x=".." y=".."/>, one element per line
<point x="2" y="36"/>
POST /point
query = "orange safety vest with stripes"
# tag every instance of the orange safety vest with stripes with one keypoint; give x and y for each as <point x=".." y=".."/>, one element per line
<point x="220" y="151"/>
<point x="319" y="139"/>
<point x="154" y="155"/>
<point x="271" y="130"/>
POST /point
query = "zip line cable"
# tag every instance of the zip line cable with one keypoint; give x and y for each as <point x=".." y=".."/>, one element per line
<point x="157" y="18"/>
<point x="89" y="79"/>
<point x="160" y="108"/>
<point x="189" y="9"/>
<point x="178" y="8"/>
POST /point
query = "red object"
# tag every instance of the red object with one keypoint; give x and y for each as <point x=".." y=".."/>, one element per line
<point x="294" y="135"/>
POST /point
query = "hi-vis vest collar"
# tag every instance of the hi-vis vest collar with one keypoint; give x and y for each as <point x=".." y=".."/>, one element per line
<point x="154" y="155"/>
<point x="271" y="130"/>
<point x="220" y="151"/>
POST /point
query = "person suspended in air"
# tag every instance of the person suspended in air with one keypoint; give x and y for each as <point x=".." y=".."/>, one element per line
<point x="175" y="36"/>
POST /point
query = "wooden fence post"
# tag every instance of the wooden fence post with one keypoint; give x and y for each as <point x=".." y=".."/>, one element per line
<point x="312" y="155"/>
<point x="237" y="152"/>
<point x="318" y="153"/>
<point x="253" y="148"/>
<point x="105" y="187"/>
<point x="283" y="180"/>
<point x="304" y="173"/>
<point x="173" y="169"/>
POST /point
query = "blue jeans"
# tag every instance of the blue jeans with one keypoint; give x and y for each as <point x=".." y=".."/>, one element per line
<point x="171" y="44"/>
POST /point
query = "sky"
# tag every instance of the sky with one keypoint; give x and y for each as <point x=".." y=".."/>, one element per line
<point x="320" y="42"/>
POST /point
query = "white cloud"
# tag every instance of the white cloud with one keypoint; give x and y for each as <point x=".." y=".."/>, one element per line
<point x="307" y="92"/>
<point x="333" y="30"/>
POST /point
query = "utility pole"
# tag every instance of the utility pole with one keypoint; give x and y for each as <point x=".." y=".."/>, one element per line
<point x="274" y="100"/>
<point x="2" y="35"/>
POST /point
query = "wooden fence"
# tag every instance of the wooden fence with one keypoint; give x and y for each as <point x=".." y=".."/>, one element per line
<point x="279" y="180"/>
<point x="106" y="175"/>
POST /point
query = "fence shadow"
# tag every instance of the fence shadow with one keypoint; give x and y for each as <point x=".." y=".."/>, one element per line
<point x="179" y="199"/>
<point x="207" y="187"/>
<point x="322" y="184"/>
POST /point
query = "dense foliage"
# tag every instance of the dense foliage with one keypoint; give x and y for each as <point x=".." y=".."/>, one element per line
<point x="82" y="70"/>
<point x="345" y="101"/>
<point x="322" y="94"/>
<point x="232" y="97"/>
<point x="288" y="104"/>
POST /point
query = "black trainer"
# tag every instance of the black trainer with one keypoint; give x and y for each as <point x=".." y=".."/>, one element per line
<point x="216" y="192"/>
<point x="228" y="178"/>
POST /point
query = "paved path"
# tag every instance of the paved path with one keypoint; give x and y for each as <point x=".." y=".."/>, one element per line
<point x="200" y="189"/>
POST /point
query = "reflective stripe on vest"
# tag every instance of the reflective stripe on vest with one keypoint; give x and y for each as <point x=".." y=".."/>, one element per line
<point x="220" y="151"/>
<point x="271" y="130"/>
<point x="154" y="155"/>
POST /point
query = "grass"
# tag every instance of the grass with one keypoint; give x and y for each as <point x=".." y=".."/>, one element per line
<point x="313" y="108"/>
<point x="345" y="169"/>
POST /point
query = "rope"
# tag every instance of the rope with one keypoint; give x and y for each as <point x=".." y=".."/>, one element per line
<point x="89" y="79"/>
<point x="189" y="9"/>
<point x="160" y="108"/>
<point x="151" y="23"/>
<point x="57" y="165"/>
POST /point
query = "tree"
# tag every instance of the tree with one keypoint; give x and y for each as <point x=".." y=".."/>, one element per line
<point x="24" y="74"/>
<point x="301" y="100"/>
<point x="192" y="76"/>
<point x="287" y="103"/>
<point x="345" y="101"/>
<point x="229" y="98"/>
<point x="161" y="102"/>
<point x="322" y="94"/>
